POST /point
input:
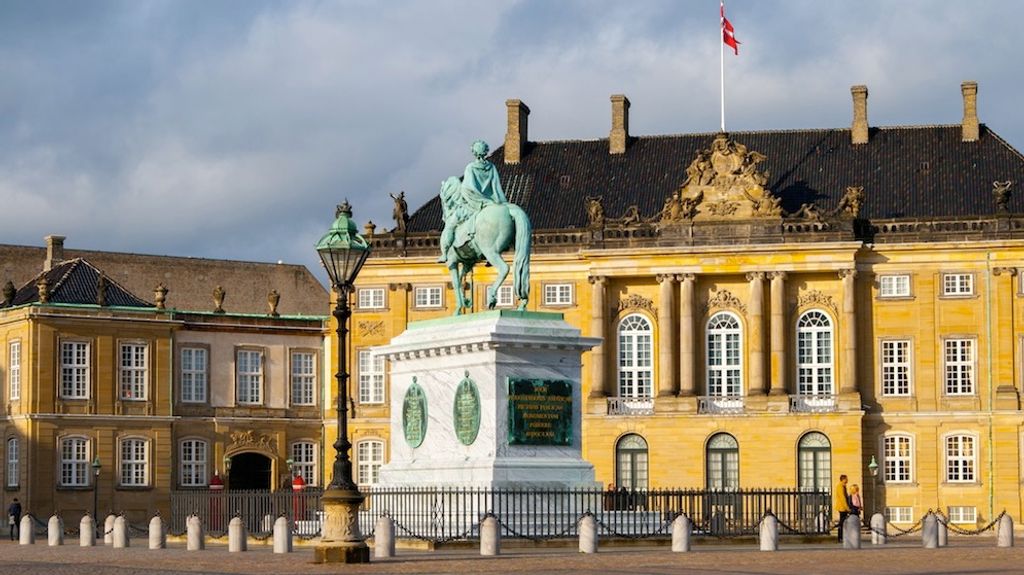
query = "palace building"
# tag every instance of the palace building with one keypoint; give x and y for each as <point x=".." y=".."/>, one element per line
<point x="777" y="307"/>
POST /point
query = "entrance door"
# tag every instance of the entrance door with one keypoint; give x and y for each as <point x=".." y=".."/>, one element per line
<point x="249" y="471"/>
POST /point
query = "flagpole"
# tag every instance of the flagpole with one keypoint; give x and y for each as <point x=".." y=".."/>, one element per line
<point x="721" y="53"/>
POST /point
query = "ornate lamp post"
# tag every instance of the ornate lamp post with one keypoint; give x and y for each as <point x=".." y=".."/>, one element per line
<point x="343" y="252"/>
<point x="96" y="466"/>
<point x="873" y="469"/>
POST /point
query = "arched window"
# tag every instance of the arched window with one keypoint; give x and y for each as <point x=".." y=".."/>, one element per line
<point x="304" y="461"/>
<point x="960" y="459"/>
<point x="724" y="358"/>
<point x="723" y="464"/>
<point x="13" y="469"/>
<point x="898" y="450"/>
<point x="369" y="459"/>
<point x="814" y="462"/>
<point x="134" y="462"/>
<point x="74" y="462"/>
<point x="631" y="462"/>
<point x="192" y="463"/>
<point x="814" y="354"/>
<point x="635" y="352"/>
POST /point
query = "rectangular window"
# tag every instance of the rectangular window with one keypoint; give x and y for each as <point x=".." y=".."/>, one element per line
<point x="958" y="355"/>
<point x="899" y="514"/>
<point x="370" y="298"/>
<point x="74" y="370"/>
<point x="370" y="457"/>
<point x="898" y="459"/>
<point x="193" y="463"/>
<point x="505" y="296"/>
<point x="249" y="370"/>
<point x="960" y="457"/>
<point x="428" y="297"/>
<point x="134" y="463"/>
<point x="303" y="378"/>
<point x="896" y="367"/>
<point x="14" y="371"/>
<point x="304" y="461"/>
<point x="894" y="286"/>
<point x="134" y="371"/>
<point x="193" y="374"/>
<point x="957" y="284"/>
<point x="963" y="514"/>
<point x="13" y="469"/>
<point x="371" y="377"/>
<point x="74" y="462"/>
<point x="558" y="294"/>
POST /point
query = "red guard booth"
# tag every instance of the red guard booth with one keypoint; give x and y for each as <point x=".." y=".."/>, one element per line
<point x="216" y="503"/>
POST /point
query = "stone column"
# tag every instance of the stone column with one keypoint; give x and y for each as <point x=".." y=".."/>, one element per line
<point x="777" y="383"/>
<point x="848" y="383"/>
<point x="1002" y="295"/>
<point x="757" y="383"/>
<point x="666" y="339"/>
<point x="687" y="350"/>
<point x="598" y="384"/>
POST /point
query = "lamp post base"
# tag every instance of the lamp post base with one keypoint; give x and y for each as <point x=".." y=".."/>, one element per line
<point x="341" y="541"/>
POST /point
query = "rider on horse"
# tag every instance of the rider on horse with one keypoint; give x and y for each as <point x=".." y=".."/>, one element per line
<point x="481" y="186"/>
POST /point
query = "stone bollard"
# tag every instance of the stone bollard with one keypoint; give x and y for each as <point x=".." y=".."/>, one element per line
<point x="196" y="541"/>
<point x="769" y="533"/>
<point x="384" y="537"/>
<point x="490" y="536"/>
<point x="943" y="533"/>
<point x="851" y="532"/>
<point x="681" y="529"/>
<point x="55" y="531"/>
<point x="26" y="531"/>
<point x="120" y="535"/>
<point x="157" y="535"/>
<point x="108" y="529"/>
<point x="86" y="531"/>
<point x="588" y="534"/>
<point x="282" y="536"/>
<point x="930" y="531"/>
<point x="236" y="535"/>
<point x="1005" y="532"/>
<point x="878" y="529"/>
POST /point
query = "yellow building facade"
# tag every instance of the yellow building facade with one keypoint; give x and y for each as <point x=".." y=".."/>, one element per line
<point x="862" y="306"/>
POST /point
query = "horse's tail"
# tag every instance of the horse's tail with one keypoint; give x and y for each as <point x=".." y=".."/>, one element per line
<point x="521" y="264"/>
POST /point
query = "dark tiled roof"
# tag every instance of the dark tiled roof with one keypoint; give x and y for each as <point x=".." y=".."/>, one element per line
<point x="76" y="282"/>
<point x="906" y="172"/>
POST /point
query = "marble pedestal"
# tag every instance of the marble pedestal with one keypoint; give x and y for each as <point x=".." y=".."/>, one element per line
<point x="438" y="366"/>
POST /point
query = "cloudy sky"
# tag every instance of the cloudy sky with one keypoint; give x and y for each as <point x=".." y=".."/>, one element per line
<point x="230" y="129"/>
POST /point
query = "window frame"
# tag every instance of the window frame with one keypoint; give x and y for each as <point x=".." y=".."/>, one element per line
<point x="895" y="366"/>
<point x="558" y="294"/>
<point x="893" y="280"/>
<point x="84" y="368"/>
<point x="636" y="475"/>
<point x="816" y="368"/>
<point x="821" y="467"/>
<point x="631" y="380"/>
<point x="964" y="514"/>
<point x="193" y="464"/>
<point x="371" y="292"/>
<point x="368" y="466"/>
<point x="250" y="376"/>
<point x="14" y="370"/>
<point x="895" y="514"/>
<point x="205" y="371"/>
<point x="730" y="467"/>
<point x="134" y="372"/>
<point x="505" y="296"/>
<point x="367" y="378"/>
<point x="73" y="472"/>
<point x="967" y="372"/>
<point x="312" y="375"/>
<point x="130" y="467"/>
<point x="12" y="463"/>
<point x="307" y="468"/>
<point x="957" y="287"/>
<point x="428" y="304"/>
<point x="718" y="375"/>
<point x="960" y="468"/>
<point x="893" y="465"/>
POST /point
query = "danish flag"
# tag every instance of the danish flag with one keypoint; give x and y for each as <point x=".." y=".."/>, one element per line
<point x="728" y="35"/>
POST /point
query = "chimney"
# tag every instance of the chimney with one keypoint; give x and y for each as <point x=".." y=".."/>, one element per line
<point x="970" y="123"/>
<point x="619" y="136"/>
<point x="54" y="252"/>
<point x="859" y="131"/>
<point x="515" y="137"/>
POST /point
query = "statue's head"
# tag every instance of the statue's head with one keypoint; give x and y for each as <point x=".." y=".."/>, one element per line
<point x="480" y="149"/>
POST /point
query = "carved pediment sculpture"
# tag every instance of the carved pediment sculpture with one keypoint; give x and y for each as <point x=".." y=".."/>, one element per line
<point x="1001" y="194"/>
<point x="595" y="212"/>
<point x="851" y="202"/>
<point x="636" y="301"/>
<point x="725" y="182"/>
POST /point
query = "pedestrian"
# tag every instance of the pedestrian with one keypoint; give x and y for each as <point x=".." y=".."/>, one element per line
<point x="14" y="518"/>
<point x="856" y="503"/>
<point x="841" y="503"/>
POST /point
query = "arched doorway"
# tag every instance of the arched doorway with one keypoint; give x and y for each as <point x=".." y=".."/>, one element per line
<point x="249" y="471"/>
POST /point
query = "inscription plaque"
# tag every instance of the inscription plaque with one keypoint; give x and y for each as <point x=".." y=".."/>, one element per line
<point x="414" y="415"/>
<point x="539" y="411"/>
<point x="466" y="411"/>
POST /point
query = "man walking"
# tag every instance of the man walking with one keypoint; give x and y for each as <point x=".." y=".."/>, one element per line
<point x="841" y="503"/>
<point x="14" y="518"/>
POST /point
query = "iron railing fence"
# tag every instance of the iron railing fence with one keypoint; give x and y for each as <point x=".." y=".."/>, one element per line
<point x="447" y="513"/>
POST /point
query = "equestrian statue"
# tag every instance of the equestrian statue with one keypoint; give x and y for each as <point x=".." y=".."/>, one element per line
<point x="479" y="224"/>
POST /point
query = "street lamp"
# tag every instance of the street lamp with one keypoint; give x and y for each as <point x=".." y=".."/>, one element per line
<point x="873" y="469"/>
<point x="343" y="252"/>
<point x="96" y="466"/>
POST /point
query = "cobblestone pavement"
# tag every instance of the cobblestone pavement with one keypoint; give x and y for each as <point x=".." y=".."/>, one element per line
<point x="971" y="556"/>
